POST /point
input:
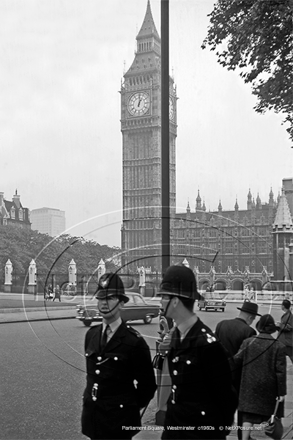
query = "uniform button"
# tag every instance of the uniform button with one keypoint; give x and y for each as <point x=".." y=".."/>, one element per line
<point x="203" y="413"/>
<point x="188" y="362"/>
<point x="115" y="358"/>
<point x="99" y="358"/>
<point x="173" y="401"/>
<point x="176" y="359"/>
<point x="121" y="406"/>
<point x="175" y="372"/>
<point x="203" y="330"/>
<point x="174" y="387"/>
<point x="97" y="371"/>
<point x="86" y="354"/>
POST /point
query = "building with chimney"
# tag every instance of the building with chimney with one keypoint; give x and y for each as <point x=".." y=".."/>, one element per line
<point x="48" y="221"/>
<point x="13" y="212"/>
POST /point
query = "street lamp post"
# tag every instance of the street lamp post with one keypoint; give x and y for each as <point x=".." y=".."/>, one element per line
<point x="165" y="155"/>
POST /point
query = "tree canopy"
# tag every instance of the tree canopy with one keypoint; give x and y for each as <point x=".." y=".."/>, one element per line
<point x="50" y="254"/>
<point x="256" y="36"/>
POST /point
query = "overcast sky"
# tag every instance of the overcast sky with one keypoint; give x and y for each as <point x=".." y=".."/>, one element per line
<point x="62" y="62"/>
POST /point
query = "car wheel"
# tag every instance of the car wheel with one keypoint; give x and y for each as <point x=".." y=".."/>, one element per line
<point x="223" y="310"/>
<point x="87" y="322"/>
<point x="147" y="319"/>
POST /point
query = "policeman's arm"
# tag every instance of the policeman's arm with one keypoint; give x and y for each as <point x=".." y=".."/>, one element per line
<point x="143" y="373"/>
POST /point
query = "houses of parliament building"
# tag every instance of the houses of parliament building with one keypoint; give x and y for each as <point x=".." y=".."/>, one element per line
<point x="239" y="241"/>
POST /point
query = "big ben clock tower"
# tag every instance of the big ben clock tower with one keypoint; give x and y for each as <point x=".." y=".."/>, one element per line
<point x="141" y="137"/>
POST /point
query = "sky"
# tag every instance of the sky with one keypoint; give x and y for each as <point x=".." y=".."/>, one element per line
<point x="62" y="63"/>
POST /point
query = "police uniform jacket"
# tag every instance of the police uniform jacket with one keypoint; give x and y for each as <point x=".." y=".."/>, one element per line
<point x="120" y="381"/>
<point x="201" y="394"/>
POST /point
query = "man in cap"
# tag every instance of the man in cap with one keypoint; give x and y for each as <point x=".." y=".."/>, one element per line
<point x="231" y="333"/>
<point x="120" y="376"/>
<point x="202" y="401"/>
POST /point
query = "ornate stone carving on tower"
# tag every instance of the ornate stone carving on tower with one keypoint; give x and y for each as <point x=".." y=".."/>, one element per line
<point x="141" y="143"/>
<point x="282" y="235"/>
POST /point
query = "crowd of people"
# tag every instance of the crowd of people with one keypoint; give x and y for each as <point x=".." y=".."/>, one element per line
<point x="206" y="377"/>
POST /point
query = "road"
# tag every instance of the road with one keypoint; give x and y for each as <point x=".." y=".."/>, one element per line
<point x="43" y="374"/>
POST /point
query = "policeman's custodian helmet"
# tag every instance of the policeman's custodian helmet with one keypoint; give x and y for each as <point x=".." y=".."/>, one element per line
<point x="179" y="281"/>
<point x="110" y="284"/>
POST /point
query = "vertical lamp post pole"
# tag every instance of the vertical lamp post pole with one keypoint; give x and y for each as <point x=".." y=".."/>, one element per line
<point x="165" y="159"/>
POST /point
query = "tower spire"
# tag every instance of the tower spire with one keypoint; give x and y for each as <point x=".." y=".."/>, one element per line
<point x="148" y="28"/>
<point x="283" y="219"/>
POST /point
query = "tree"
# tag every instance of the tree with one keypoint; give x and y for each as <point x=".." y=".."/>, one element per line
<point x="256" y="36"/>
<point x="52" y="255"/>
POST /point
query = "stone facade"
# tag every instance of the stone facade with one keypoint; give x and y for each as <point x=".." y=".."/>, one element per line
<point x="237" y="239"/>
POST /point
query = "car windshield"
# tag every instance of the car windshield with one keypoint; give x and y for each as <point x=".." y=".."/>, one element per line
<point x="212" y="295"/>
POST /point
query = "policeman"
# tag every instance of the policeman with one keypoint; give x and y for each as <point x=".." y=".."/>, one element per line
<point x="202" y="401"/>
<point x="120" y="377"/>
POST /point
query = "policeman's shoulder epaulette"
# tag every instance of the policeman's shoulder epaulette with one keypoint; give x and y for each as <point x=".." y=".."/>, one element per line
<point x="134" y="332"/>
<point x="208" y="336"/>
<point x="93" y="329"/>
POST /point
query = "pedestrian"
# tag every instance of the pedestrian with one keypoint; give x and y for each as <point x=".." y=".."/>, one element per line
<point x="263" y="375"/>
<point x="202" y="401"/>
<point x="231" y="333"/>
<point x="285" y="327"/>
<point x="120" y="377"/>
<point x="57" y="293"/>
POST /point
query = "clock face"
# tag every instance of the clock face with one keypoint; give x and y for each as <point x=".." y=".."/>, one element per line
<point x="171" y="109"/>
<point x="138" y="104"/>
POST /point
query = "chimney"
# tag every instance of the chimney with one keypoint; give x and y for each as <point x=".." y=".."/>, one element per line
<point x="16" y="199"/>
<point x="1" y="198"/>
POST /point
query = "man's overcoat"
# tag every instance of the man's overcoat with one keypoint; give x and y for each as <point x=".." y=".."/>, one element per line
<point x="286" y="329"/>
<point x="263" y="363"/>
<point x="120" y="382"/>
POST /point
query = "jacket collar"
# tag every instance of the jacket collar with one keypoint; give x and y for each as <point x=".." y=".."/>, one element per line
<point x="94" y="343"/>
<point x="194" y="332"/>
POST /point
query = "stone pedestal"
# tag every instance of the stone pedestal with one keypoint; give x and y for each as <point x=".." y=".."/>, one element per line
<point x="32" y="288"/>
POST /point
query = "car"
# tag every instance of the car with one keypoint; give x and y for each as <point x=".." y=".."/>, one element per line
<point x="135" y="309"/>
<point x="211" y="301"/>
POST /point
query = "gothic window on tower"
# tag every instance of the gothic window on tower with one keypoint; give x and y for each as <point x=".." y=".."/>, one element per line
<point x="229" y="248"/>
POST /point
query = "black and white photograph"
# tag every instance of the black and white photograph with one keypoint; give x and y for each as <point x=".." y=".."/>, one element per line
<point x="146" y="219"/>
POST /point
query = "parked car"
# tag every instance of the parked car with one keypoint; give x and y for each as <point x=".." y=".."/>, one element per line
<point x="211" y="301"/>
<point x="135" y="309"/>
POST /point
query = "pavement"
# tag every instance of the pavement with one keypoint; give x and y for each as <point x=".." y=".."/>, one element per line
<point x="150" y="431"/>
